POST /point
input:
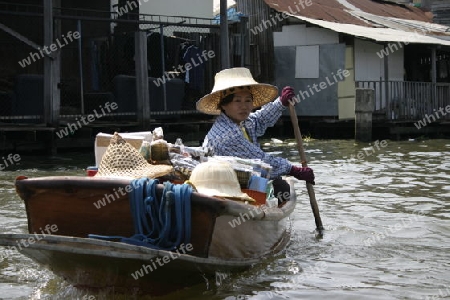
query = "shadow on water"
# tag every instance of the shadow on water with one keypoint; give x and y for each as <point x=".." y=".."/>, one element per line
<point x="385" y="209"/>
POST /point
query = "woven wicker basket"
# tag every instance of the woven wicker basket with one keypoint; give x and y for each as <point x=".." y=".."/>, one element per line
<point x="122" y="159"/>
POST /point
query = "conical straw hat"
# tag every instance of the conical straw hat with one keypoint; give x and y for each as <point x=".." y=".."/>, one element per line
<point x="123" y="160"/>
<point x="232" y="78"/>
<point x="218" y="179"/>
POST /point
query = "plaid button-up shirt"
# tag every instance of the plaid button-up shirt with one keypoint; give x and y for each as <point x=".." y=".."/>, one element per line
<point x="226" y="138"/>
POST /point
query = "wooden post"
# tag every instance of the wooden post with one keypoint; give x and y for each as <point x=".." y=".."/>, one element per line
<point x="48" y="39"/>
<point x="244" y="39"/>
<point x="80" y="66"/>
<point x="433" y="103"/>
<point x="52" y="68"/>
<point x="142" y="93"/>
<point x="224" y="41"/>
<point x="386" y="88"/>
<point x="363" y="114"/>
<point x="52" y="72"/>
<point x="163" y="65"/>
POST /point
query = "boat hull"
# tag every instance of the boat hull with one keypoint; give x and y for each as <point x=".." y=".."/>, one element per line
<point x="227" y="236"/>
<point x="96" y="264"/>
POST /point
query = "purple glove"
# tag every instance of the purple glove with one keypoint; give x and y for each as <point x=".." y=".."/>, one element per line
<point x="286" y="94"/>
<point x="300" y="173"/>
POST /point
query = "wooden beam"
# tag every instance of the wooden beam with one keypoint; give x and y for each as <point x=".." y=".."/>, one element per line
<point x="25" y="40"/>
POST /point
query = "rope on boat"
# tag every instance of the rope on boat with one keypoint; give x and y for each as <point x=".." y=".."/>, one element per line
<point x="161" y="223"/>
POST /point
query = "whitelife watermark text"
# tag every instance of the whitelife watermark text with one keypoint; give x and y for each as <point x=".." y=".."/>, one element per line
<point x="108" y="198"/>
<point x="428" y="119"/>
<point x="310" y="272"/>
<point x="24" y="243"/>
<point x="35" y="56"/>
<point x="72" y="127"/>
<point x="363" y="154"/>
<point x="161" y="261"/>
<point x="393" y="47"/>
<point x="10" y="160"/>
<point x="317" y="88"/>
<point x="278" y="17"/>
<point x="129" y="6"/>
<point x="391" y="229"/>
<point x="181" y="69"/>
<point x="368" y="151"/>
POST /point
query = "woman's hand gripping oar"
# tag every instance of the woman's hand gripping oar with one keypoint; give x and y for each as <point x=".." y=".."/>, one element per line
<point x="309" y="186"/>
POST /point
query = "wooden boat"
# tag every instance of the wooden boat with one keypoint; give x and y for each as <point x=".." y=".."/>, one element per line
<point x="227" y="236"/>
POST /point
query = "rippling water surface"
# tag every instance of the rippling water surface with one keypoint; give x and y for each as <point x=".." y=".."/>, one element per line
<point x="385" y="208"/>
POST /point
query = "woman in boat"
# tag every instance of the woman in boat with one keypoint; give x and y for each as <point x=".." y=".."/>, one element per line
<point x="235" y="131"/>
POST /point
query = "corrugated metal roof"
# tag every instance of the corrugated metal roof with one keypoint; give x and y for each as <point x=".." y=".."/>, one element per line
<point x="379" y="21"/>
<point x="398" y="1"/>
<point x="327" y="10"/>
<point x="393" y="10"/>
<point x="378" y="34"/>
<point x="402" y="24"/>
<point x="339" y="10"/>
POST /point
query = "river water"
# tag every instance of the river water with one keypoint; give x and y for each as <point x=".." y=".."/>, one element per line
<point x="385" y="208"/>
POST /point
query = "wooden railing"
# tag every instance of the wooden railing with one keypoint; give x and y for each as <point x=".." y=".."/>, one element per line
<point x="408" y="100"/>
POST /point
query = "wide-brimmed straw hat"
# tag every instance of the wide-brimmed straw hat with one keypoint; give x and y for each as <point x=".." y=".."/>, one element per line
<point x="232" y="78"/>
<point x="218" y="179"/>
<point x="123" y="160"/>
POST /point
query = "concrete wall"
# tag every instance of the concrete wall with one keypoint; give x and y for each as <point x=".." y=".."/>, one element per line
<point x="370" y="66"/>
<point x="306" y="57"/>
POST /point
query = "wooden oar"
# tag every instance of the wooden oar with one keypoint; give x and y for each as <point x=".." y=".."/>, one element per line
<point x="309" y="186"/>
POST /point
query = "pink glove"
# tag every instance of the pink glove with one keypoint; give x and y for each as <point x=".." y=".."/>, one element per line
<point x="300" y="173"/>
<point x="286" y="94"/>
